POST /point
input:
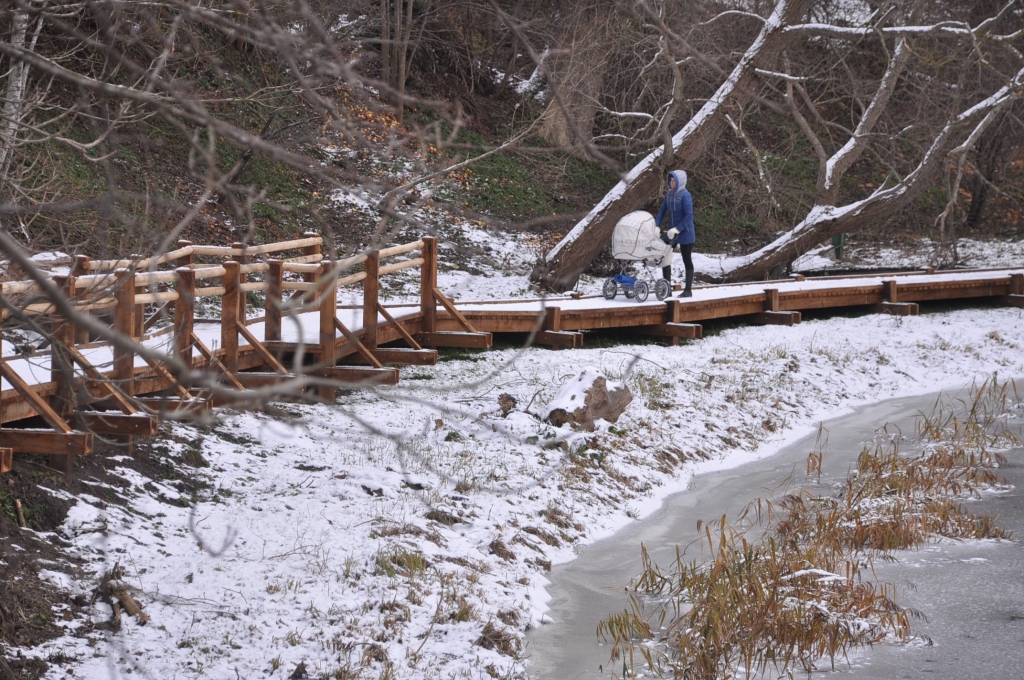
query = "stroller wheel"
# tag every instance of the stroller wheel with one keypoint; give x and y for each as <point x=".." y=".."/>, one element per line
<point x="642" y="291"/>
<point x="662" y="289"/>
<point x="610" y="289"/>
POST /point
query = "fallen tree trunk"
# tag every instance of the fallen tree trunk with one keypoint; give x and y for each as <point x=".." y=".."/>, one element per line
<point x="823" y="222"/>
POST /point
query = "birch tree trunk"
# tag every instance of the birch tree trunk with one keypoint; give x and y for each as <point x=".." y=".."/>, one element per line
<point x="569" y="258"/>
<point x="17" y="79"/>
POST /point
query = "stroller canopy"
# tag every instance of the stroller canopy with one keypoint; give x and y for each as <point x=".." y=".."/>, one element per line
<point x="636" y="237"/>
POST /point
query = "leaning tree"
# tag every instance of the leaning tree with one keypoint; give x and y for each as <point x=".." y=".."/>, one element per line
<point x="908" y="87"/>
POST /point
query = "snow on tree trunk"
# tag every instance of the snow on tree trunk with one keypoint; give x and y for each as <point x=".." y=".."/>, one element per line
<point x="570" y="257"/>
<point x="825" y="221"/>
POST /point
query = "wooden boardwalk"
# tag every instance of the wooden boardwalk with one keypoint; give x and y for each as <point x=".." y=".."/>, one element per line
<point x="125" y="348"/>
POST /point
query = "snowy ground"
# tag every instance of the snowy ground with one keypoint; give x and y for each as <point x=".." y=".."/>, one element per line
<point x="405" y="532"/>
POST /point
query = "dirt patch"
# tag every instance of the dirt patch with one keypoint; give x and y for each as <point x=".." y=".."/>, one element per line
<point x="31" y="606"/>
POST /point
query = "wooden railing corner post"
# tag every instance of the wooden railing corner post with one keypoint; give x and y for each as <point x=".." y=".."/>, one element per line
<point x="1016" y="284"/>
<point x="124" y="325"/>
<point x="889" y="291"/>
<point x="371" y="295"/>
<point x="80" y="268"/>
<point x="62" y="336"/>
<point x="273" y="301"/>
<point x="428" y="282"/>
<point x="229" y="318"/>
<point x="184" y="314"/>
<point x="328" y="296"/>
<point x="314" y="249"/>
<point x="187" y="260"/>
<point x="242" y="258"/>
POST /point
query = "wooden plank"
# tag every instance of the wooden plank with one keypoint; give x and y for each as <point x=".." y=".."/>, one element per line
<point x="163" y="406"/>
<point x="359" y="347"/>
<point x="559" y="339"/>
<point x="161" y="313"/>
<point x="38" y="404"/>
<point x="139" y="424"/>
<point x="778" y="318"/>
<point x="952" y="290"/>
<point x="371" y="292"/>
<point x="457" y="339"/>
<point x="91" y="372"/>
<point x="829" y="298"/>
<point x="47" y="442"/>
<point x="352" y="375"/>
<point x="428" y="283"/>
<point x="261" y="350"/>
<point x="1015" y="300"/>
<point x="215" y="362"/>
<point x="450" y="307"/>
<point x="398" y="327"/>
<point x="403" y="356"/>
<point x="898" y="308"/>
<point x="164" y="373"/>
<point x="229" y="319"/>
<point x="262" y="379"/>
<point x="688" y="331"/>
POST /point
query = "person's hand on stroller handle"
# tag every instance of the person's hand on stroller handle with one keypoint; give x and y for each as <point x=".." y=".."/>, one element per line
<point x="672" y="233"/>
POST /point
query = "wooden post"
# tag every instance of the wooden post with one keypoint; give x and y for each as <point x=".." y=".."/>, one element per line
<point x="673" y="312"/>
<point x="242" y="278"/>
<point x="62" y="334"/>
<point x="328" y="347"/>
<point x="229" y="317"/>
<point x="310" y="250"/>
<point x="428" y="281"/>
<point x="189" y="259"/>
<point x="124" y="324"/>
<point x="273" y="302"/>
<point x="80" y="268"/>
<point x="371" y="293"/>
<point x="889" y="291"/>
<point x="1016" y="284"/>
<point x="771" y="299"/>
<point x="184" y="314"/>
<point x="140" y="310"/>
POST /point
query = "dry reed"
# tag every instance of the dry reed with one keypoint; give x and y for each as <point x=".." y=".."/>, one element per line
<point x="799" y="593"/>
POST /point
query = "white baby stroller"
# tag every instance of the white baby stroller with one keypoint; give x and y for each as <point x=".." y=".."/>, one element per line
<point x="636" y="239"/>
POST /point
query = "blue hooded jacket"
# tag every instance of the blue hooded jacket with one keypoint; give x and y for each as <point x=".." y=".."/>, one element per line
<point x="678" y="205"/>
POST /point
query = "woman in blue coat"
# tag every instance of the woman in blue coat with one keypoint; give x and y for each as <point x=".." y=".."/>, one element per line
<point x="678" y="229"/>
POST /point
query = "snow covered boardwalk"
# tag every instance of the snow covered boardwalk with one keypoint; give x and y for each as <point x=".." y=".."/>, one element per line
<point x="111" y="374"/>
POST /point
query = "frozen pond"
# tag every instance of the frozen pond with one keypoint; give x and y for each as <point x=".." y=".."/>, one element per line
<point x="971" y="593"/>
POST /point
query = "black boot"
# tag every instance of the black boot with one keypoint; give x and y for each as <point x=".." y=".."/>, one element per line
<point x="666" y="273"/>
<point x="688" y="291"/>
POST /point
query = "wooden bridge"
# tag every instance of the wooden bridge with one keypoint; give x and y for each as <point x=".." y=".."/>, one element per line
<point x="124" y="347"/>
